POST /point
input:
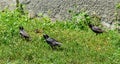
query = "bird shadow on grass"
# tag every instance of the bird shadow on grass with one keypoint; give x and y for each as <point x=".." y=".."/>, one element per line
<point x="57" y="49"/>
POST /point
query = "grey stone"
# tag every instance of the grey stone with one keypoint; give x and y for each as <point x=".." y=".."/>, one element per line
<point x="59" y="9"/>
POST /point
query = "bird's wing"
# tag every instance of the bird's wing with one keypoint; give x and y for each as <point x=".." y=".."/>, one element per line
<point x="24" y="33"/>
<point x="53" y="41"/>
<point x="58" y="43"/>
<point x="97" y="29"/>
<point x="50" y="39"/>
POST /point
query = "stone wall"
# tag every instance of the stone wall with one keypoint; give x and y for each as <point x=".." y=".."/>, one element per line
<point x="59" y="9"/>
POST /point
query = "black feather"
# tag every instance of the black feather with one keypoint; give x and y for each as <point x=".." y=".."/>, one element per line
<point x="52" y="42"/>
<point x="95" y="29"/>
<point x="23" y="33"/>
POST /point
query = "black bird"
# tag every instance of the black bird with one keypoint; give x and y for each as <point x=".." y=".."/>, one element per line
<point x="23" y="33"/>
<point x="52" y="42"/>
<point x="95" y="29"/>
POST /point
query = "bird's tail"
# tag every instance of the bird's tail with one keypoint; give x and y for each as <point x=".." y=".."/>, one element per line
<point x="59" y="44"/>
<point x="105" y="31"/>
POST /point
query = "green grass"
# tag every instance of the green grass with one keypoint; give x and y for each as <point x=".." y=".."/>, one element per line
<point x="80" y="46"/>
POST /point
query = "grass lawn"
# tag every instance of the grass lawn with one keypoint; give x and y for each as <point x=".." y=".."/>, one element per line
<point x="79" y="46"/>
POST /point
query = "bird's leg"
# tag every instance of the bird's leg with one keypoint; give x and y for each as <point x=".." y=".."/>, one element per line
<point x="53" y="47"/>
<point x="96" y="34"/>
<point x="27" y="38"/>
<point x="22" y="37"/>
<point x="58" y="45"/>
